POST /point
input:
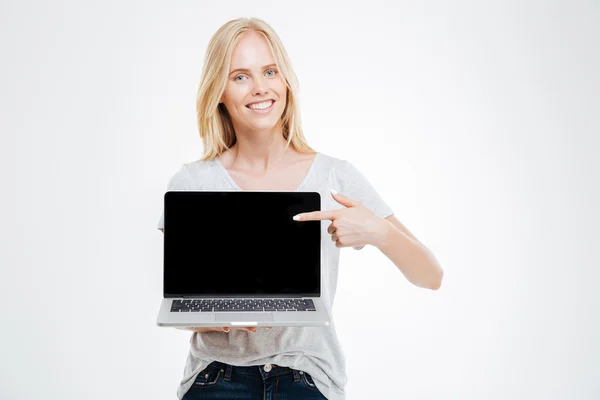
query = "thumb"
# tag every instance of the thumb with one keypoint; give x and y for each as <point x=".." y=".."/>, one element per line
<point x="343" y="200"/>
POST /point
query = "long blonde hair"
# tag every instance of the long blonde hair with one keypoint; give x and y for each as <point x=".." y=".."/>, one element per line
<point x="214" y="123"/>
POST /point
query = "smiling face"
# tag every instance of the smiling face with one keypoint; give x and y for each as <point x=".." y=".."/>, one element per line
<point x="255" y="93"/>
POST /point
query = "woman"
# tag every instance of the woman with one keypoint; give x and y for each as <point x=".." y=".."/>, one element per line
<point x="249" y="122"/>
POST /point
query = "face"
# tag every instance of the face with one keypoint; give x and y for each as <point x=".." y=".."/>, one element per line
<point x="255" y="93"/>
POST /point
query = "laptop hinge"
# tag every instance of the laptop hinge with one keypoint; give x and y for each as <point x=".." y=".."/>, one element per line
<point x="258" y="296"/>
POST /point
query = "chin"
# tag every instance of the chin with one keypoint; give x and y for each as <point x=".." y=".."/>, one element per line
<point x="263" y="127"/>
<point x="264" y="124"/>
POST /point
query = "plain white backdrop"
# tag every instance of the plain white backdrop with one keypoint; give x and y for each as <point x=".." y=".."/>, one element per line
<point x="478" y="124"/>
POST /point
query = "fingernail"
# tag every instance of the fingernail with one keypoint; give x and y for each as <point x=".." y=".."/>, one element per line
<point x="334" y="191"/>
<point x="296" y="217"/>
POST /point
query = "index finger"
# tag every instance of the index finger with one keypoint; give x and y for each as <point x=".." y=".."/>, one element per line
<point x="316" y="216"/>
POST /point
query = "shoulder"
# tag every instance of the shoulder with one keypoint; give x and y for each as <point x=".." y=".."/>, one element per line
<point x="191" y="175"/>
<point x="331" y="163"/>
<point x="346" y="178"/>
<point x="340" y="169"/>
<point x="199" y="167"/>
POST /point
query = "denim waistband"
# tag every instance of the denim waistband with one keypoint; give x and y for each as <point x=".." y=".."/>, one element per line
<point x="257" y="370"/>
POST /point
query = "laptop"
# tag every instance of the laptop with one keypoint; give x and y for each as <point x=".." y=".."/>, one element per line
<point x="237" y="258"/>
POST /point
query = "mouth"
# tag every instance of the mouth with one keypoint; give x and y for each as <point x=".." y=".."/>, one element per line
<point x="261" y="108"/>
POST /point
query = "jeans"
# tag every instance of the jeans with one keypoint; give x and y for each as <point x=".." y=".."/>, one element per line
<point x="265" y="382"/>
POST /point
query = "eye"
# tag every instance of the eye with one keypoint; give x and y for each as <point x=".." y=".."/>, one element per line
<point x="274" y="72"/>
<point x="239" y="76"/>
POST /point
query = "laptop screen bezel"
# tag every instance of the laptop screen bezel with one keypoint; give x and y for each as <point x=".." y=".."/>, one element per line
<point x="313" y="198"/>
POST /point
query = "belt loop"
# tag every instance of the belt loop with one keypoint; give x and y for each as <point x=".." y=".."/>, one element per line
<point x="297" y="376"/>
<point x="228" y="372"/>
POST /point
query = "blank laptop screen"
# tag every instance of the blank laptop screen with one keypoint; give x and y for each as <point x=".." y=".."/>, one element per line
<point x="241" y="243"/>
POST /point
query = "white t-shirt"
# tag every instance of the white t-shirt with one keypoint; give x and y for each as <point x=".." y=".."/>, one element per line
<point x="315" y="350"/>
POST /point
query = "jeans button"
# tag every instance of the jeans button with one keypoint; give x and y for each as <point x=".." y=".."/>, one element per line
<point x="267" y="367"/>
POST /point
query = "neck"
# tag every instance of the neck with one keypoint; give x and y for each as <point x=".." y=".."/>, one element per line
<point x="259" y="150"/>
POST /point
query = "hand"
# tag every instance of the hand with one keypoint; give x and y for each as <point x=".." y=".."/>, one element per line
<point x="353" y="226"/>
<point x="223" y="328"/>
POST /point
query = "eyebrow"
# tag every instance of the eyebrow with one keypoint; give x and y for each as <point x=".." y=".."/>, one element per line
<point x="246" y="70"/>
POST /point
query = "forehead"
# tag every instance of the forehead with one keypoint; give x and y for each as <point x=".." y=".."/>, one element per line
<point x="251" y="50"/>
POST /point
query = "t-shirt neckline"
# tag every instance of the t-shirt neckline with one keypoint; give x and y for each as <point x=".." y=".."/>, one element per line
<point x="300" y="187"/>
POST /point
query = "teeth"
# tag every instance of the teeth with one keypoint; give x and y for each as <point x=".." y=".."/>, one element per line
<point x="261" y="106"/>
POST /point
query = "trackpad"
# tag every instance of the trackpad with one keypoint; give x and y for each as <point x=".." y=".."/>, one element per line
<point x="243" y="317"/>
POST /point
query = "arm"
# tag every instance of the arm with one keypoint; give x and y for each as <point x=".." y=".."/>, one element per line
<point x="413" y="259"/>
<point x="357" y="225"/>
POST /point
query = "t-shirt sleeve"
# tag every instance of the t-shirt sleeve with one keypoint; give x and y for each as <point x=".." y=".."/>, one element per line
<point x="179" y="181"/>
<point x="356" y="186"/>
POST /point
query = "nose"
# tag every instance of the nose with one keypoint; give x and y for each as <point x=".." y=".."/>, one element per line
<point x="261" y="86"/>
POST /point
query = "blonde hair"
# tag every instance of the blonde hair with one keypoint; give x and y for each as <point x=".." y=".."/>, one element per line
<point x="214" y="123"/>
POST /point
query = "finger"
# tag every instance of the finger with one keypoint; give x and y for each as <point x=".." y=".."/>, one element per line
<point x="331" y="230"/>
<point x="344" y="200"/>
<point x="253" y="328"/>
<point x="245" y="328"/>
<point x="317" y="215"/>
<point x="339" y="244"/>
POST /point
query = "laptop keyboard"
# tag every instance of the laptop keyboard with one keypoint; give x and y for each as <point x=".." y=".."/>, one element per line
<point x="273" y="305"/>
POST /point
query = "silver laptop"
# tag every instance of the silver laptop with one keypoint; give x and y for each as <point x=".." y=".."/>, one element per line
<point x="237" y="258"/>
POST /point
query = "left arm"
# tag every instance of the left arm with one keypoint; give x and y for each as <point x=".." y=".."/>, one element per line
<point x="413" y="259"/>
<point x="358" y="226"/>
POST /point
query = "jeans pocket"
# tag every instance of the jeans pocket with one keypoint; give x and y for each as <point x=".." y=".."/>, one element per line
<point x="209" y="376"/>
<point x="307" y="381"/>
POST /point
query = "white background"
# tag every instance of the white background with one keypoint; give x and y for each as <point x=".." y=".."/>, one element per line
<point x="478" y="124"/>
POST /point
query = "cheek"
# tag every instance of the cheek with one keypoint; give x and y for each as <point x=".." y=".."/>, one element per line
<point x="281" y="88"/>
<point x="235" y="96"/>
<point x="282" y="94"/>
